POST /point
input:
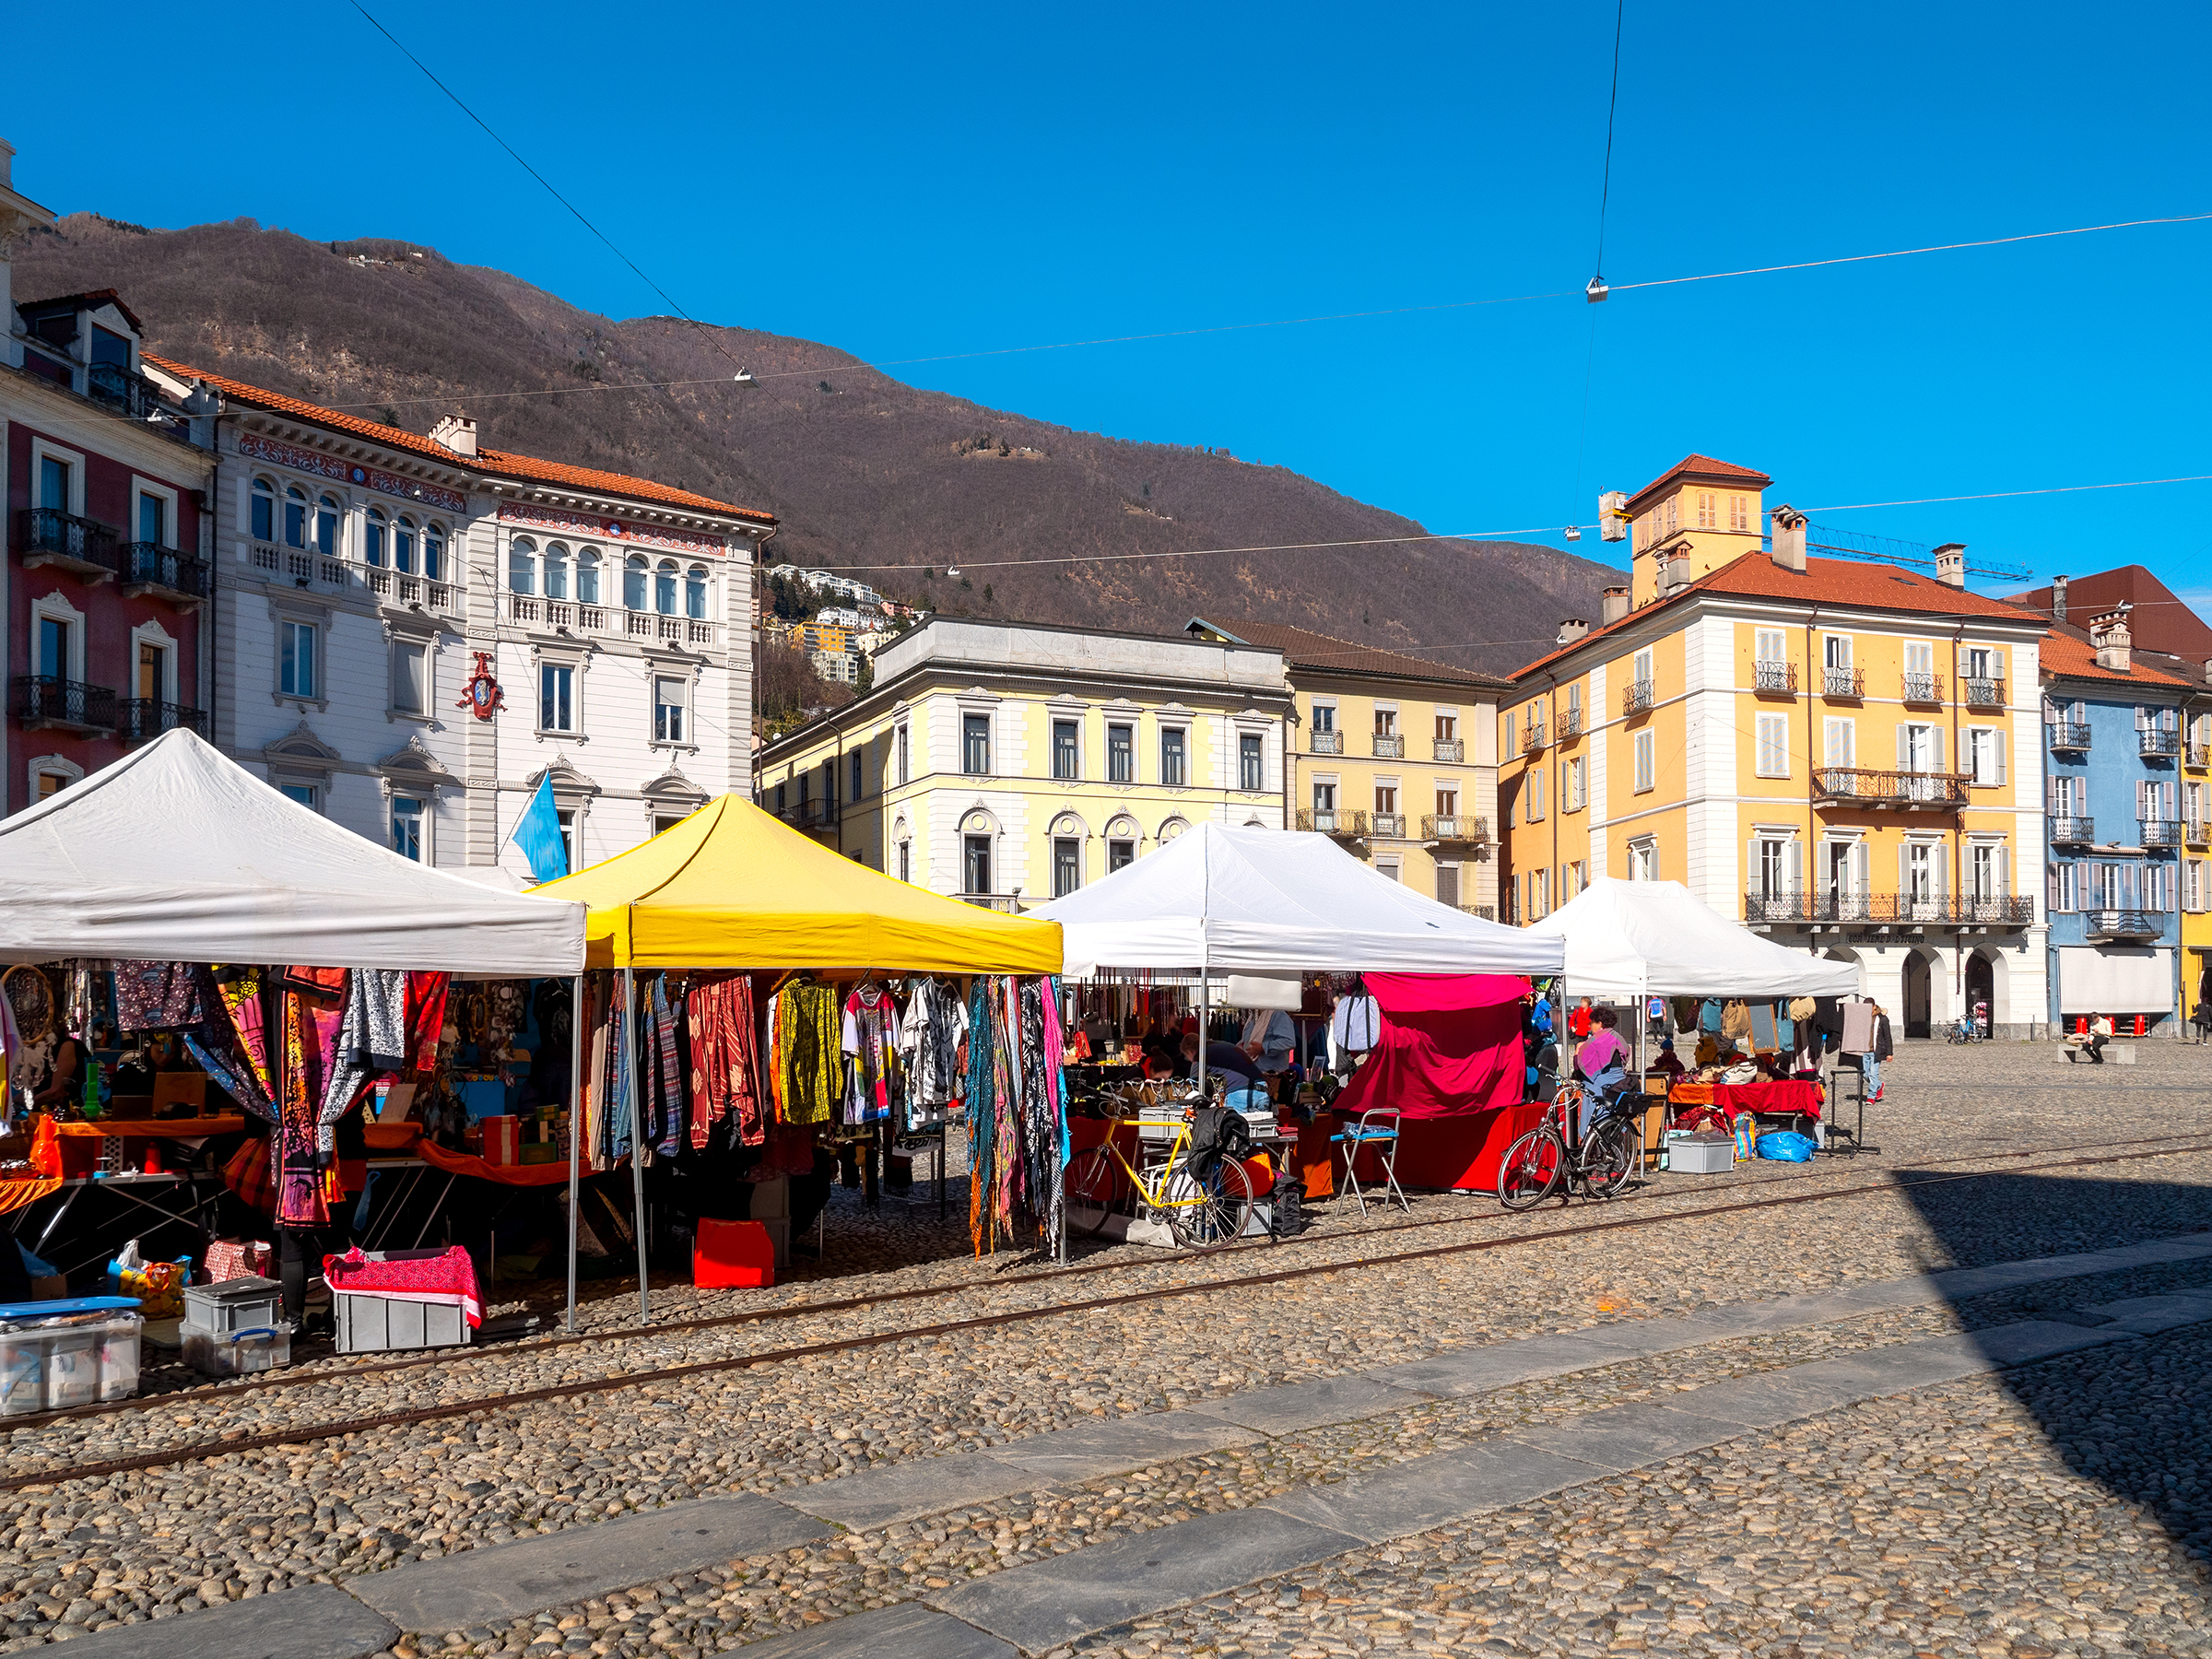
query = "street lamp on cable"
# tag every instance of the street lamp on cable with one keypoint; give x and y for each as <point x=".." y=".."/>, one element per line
<point x="1597" y="290"/>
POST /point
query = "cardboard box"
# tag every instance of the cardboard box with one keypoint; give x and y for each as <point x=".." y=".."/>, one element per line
<point x="502" y="1140"/>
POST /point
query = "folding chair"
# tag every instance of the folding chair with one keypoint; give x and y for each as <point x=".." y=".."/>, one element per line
<point x="1376" y="1132"/>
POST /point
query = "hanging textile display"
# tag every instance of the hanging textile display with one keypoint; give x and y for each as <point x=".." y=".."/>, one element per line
<point x="807" y="1053"/>
<point x="929" y="1040"/>
<point x="156" y="996"/>
<point x="611" y="1073"/>
<point x="661" y="1068"/>
<point x="869" y="1040"/>
<point x="310" y="1025"/>
<point x="1014" y="1097"/>
<point x="426" y="995"/>
<point x="723" y="1068"/>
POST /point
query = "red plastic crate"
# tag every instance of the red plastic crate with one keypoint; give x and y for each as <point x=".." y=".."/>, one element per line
<point x="733" y="1255"/>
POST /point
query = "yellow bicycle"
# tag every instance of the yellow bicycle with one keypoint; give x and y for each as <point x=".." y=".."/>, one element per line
<point x="1204" y="1195"/>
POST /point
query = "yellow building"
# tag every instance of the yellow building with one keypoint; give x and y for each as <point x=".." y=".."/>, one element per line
<point x="1007" y="763"/>
<point x="1845" y="755"/>
<point x="1391" y="755"/>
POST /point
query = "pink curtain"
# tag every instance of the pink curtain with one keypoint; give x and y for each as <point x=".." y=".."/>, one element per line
<point x="1451" y="1046"/>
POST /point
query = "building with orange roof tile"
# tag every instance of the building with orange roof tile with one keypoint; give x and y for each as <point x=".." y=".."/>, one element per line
<point x="1844" y="755"/>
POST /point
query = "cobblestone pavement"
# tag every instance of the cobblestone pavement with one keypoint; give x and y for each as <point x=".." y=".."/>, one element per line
<point x="1936" y="1522"/>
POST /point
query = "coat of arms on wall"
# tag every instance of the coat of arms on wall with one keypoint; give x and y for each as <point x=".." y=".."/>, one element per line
<point x="480" y="693"/>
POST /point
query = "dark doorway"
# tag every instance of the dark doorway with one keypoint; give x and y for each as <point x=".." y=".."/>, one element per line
<point x="1917" y="991"/>
<point x="1981" y="992"/>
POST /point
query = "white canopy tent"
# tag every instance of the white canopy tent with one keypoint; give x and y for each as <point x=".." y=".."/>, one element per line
<point x="1277" y="902"/>
<point x="1629" y="940"/>
<point x="177" y="853"/>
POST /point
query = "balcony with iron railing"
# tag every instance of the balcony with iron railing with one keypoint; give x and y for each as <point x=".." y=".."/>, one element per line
<point x="1844" y="684"/>
<point x="115" y="389"/>
<point x="1922" y="688"/>
<point x="1984" y="693"/>
<point x="150" y="568"/>
<point x="2195" y="832"/>
<point x="1487" y="913"/>
<point x="1386" y="825"/>
<point x="1774" y="678"/>
<point x="2158" y="833"/>
<point x="83" y="547"/>
<point x="2158" y="743"/>
<point x="1636" y="697"/>
<point x="1452" y="750"/>
<point x="1883" y="909"/>
<point x="1532" y="737"/>
<point x="1389" y="746"/>
<point x="2123" y="923"/>
<point x="1570" y="724"/>
<point x="44" y="700"/>
<point x="1329" y="742"/>
<point x="1007" y="903"/>
<point x="2067" y="735"/>
<point x="1455" y="827"/>
<point x="2068" y="831"/>
<point x="2197" y="754"/>
<point x="1346" y="826"/>
<point x="145" y="718"/>
<point x="1889" y="788"/>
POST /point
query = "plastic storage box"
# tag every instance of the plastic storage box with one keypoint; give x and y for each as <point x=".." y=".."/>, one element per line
<point x="1701" y="1156"/>
<point x="237" y="1353"/>
<point x="372" y="1325"/>
<point x="59" y="1354"/>
<point x="232" y="1304"/>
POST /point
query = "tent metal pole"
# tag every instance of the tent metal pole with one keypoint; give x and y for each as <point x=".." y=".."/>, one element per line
<point x="637" y="1128"/>
<point x="1562" y="1042"/>
<point x="575" y="1129"/>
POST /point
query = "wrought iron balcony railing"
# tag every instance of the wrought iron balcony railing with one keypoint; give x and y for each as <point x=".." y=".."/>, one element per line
<point x="1636" y="697"/>
<point x="1320" y="821"/>
<point x="1008" y="903"/>
<point x="1453" y="827"/>
<point x="1984" y="693"/>
<point x="2073" y="831"/>
<point x="2158" y="741"/>
<point x="44" y="699"/>
<point x="2123" y="924"/>
<point x="1570" y="724"/>
<point x="2158" y="833"/>
<point x="145" y="718"/>
<point x="1450" y="750"/>
<point x="1888" y="788"/>
<point x="83" y="545"/>
<point x="150" y="568"/>
<point x="1390" y="746"/>
<point x="2066" y="735"/>
<point x="1922" y="688"/>
<point x="1488" y="912"/>
<point x="1775" y="677"/>
<point x="1532" y="737"/>
<point x="1387" y="826"/>
<point x="2198" y="754"/>
<point x="2194" y="832"/>
<point x="1844" y="682"/>
<point x="1329" y="742"/>
<point x="1878" y="910"/>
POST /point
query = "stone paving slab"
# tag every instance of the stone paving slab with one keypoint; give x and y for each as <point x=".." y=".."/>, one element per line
<point x="1041" y="1604"/>
<point x="1311" y="1404"/>
<point x="2147" y="1315"/>
<point x="1455" y="1371"/>
<point x="1437" y="1490"/>
<point x="909" y="1630"/>
<point x="1627" y="1436"/>
<point x="1088" y="1450"/>
<point x="314" y="1621"/>
<point x="512" y="1581"/>
<point x="902" y="1491"/>
<point x="1767" y="1399"/>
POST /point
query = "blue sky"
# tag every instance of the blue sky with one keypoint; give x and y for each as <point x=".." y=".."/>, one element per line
<point x="905" y="182"/>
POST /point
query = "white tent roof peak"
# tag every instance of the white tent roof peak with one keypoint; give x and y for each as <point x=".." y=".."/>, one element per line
<point x="177" y="853"/>
<point x="1275" y="901"/>
<point x="1628" y="939"/>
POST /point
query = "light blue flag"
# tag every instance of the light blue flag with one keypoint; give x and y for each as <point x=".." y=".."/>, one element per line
<point x="537" y="833"/>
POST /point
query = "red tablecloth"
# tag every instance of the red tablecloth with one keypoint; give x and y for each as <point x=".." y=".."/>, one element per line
<point x="1462" y="1151"/>
<point x="1797" y="1096"/>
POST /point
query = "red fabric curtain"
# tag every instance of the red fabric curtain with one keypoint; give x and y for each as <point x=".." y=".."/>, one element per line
<point x="1451" y="1046"/>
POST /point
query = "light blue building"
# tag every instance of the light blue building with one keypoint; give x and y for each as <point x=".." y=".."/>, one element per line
<point x="2113" y="791"/>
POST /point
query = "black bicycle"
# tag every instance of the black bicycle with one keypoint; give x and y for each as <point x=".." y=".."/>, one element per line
<point x="1542" y="1162"/>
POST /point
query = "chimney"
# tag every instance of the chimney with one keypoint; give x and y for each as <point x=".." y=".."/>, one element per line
<point x="2058" y="598"/>
<point x="2114" y="641"/>
<point x="1787" y="526"/>
<point x="1573" y="629"/>
<point x="1950" y="564"/>
<point x="458" y="433"/>
<point x="1616" y="605"/>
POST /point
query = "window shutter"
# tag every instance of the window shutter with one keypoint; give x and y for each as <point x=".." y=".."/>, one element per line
<point x="1859" y="870"/>
<point x="2051" y="897"/>
<point x="1754" y="877"/>
<point x="1999" y="738"/>
<point x="1939" y="859"/>
<point x="1935" y="732"/>
<point x="1997" y="664"/>
<point x="1904" y="749"/>
<point x="1904" y="869"/>
<point x="2004" y="871"/>
<point x="2141" y="810"/>
<point x="1796" y="867"/>
<point x="2050" y="794"/>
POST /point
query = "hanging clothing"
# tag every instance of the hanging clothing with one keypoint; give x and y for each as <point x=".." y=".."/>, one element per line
<point x="158" y="996"/>
<point x="617" y="1045"/>
<point x="723" y="1068"/>
<point x="311" y="1027"/>
<point x="425" y="1019"/>
<point x="869" y="1040"/>
<point x="929" y="1040"/>
<point x="807" y="1051"/>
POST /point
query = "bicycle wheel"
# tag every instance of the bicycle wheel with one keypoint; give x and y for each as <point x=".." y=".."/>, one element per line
<point x="1531" y="1169"/>
<point x="1608" y="1159"/>
<point x="1096" y="1188"/>
<point x="1211" y="1205"/>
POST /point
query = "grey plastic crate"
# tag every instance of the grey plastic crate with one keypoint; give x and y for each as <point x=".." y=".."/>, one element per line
<point x="239" y="1304"/>
<point x="372" y="1325"/>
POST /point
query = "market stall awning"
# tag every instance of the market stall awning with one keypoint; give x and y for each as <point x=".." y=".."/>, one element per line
<point x="1629" y="939"/>
<point x="1279" y="901"/>
<point x="177" y="853"/>
<point x="731" y="886"/>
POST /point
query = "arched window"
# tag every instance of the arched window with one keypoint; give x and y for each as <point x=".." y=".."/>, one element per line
<point x="695" y="592"/>
<point x="264" y="511"/>
<point x="372" y="537"/>
<point x="557" y="572"/>
<point x="295" y="517"/>
<point x="433" y="552"/>
<point x="403" y="547"/>
<point x="522" y="567"/>
<point x="633" y="583"/>
<point x="664" y="588"/>
<point x="588" y="576"/>
<point x="326" y="527"/>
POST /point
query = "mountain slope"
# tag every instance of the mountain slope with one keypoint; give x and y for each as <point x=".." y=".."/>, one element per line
<point x="863" y="470"/>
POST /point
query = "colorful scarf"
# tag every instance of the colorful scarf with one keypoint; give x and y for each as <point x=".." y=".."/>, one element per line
<point x="721" y="1017"/>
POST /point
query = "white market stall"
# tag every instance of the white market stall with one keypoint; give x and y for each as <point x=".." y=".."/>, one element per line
<point x="1629" y="939"/>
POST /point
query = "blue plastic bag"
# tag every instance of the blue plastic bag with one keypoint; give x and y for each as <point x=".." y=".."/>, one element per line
<point x="1785" y="1145"/>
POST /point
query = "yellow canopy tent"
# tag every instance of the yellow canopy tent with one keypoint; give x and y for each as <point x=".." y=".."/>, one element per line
<point x="731" y="886"/>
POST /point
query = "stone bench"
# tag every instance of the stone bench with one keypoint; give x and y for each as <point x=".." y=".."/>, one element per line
<point x="2115" y="1054"/>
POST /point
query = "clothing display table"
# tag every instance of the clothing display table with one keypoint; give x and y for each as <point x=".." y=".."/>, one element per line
<point x="81" y="1142"/>
<point x="1794" y="1098"/>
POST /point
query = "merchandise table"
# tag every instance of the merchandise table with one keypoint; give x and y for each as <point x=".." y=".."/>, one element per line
<point x="1796" y="1097"/>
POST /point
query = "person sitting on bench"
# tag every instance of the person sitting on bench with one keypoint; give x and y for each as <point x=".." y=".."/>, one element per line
<point x="2101" y="1033"/>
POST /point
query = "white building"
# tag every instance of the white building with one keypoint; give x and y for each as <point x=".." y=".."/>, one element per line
<point x="837" y="665"/>
<point x="411" y="632"/>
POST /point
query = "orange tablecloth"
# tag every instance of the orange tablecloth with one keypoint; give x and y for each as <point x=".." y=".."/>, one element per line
<point x="468" y="1163"/>
<point x="46" y="1165"/>
<point x="191" y="1128"/>
<point x="391" y="1138"/>
<point x="1795" y="1096"/>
